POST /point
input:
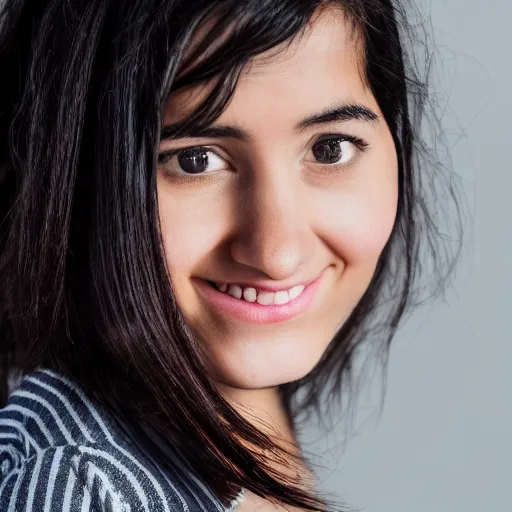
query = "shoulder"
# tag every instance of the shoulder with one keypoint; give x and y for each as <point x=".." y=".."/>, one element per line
<point x="90" y="478"/>
<point x="64" y="478"/>
<point x="61" y="452"/>
<point x="46" y="409"/>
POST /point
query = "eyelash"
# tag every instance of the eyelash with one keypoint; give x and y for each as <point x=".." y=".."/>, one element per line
<point x="361" y="144"/>
<point x="357" y="141"/>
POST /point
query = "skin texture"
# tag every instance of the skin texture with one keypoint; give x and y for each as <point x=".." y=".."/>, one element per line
<point x="269" y="212"/>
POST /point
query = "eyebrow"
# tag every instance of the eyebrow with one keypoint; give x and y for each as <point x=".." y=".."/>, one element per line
<point x="338" y="113"/>
<point x="345" y="112"/>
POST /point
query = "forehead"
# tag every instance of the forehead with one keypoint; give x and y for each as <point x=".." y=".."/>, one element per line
<point x="329" y="37"/>
<point x="321" y="66"/>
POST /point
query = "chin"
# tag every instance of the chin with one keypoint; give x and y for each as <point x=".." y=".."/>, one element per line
<point x="266" y="372"/>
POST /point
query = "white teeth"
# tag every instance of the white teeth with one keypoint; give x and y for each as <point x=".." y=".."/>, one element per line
<point x="296" y="291"/>
<point x="235" y="291"/>
<point x="265" y="298"/>
<point x="281" y="297"/>
<point x="250" y="294"/>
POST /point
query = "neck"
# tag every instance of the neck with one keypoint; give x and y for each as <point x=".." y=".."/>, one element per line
<point x="264" y="408"/>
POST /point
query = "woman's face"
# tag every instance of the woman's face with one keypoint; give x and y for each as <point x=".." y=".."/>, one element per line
<point x="279" y="196"/>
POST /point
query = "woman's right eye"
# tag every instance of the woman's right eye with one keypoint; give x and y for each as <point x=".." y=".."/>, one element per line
<point x="196" y="160"/>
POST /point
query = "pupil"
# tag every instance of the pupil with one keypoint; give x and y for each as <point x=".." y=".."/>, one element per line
<point x="327" y="151"/>
<point x="193" y="161"/>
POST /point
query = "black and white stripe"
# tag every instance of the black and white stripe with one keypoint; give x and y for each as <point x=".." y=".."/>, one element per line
<point x="61" y="452"/>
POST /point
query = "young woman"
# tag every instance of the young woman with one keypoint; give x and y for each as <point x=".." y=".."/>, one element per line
<point x="205" y="208"/>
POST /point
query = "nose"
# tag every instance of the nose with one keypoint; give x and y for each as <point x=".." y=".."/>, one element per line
<point x="272" y="235"/>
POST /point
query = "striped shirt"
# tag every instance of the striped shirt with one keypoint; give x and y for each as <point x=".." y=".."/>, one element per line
<point x="61" y="452"/>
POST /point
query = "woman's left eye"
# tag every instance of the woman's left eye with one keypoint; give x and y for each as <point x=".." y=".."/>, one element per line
<point x="337" y="150"/>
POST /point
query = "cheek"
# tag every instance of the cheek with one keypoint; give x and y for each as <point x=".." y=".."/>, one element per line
<point x="192" y="218"/>
<point x="357" y="224"/>
<point x="186" y="237"/>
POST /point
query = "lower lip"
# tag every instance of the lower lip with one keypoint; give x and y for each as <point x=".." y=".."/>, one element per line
<point x="253" y="312"/>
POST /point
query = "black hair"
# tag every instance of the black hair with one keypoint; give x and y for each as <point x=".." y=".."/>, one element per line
<point x="85" y="289"/>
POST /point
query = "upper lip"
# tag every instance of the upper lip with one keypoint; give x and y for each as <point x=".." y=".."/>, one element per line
<point x="266" y="285"/>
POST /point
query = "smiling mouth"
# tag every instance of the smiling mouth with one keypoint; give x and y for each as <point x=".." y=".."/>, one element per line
<point x="267" y="307"/>
<point x="262" y="297"/>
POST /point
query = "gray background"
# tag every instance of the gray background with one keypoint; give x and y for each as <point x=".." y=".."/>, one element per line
<point x="443" y="441"/>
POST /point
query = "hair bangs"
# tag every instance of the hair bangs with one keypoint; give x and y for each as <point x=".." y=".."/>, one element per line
<point x="218" y="61"/>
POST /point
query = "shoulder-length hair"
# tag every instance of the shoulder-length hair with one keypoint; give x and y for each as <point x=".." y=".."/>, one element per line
<point x="84" y="284"/>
